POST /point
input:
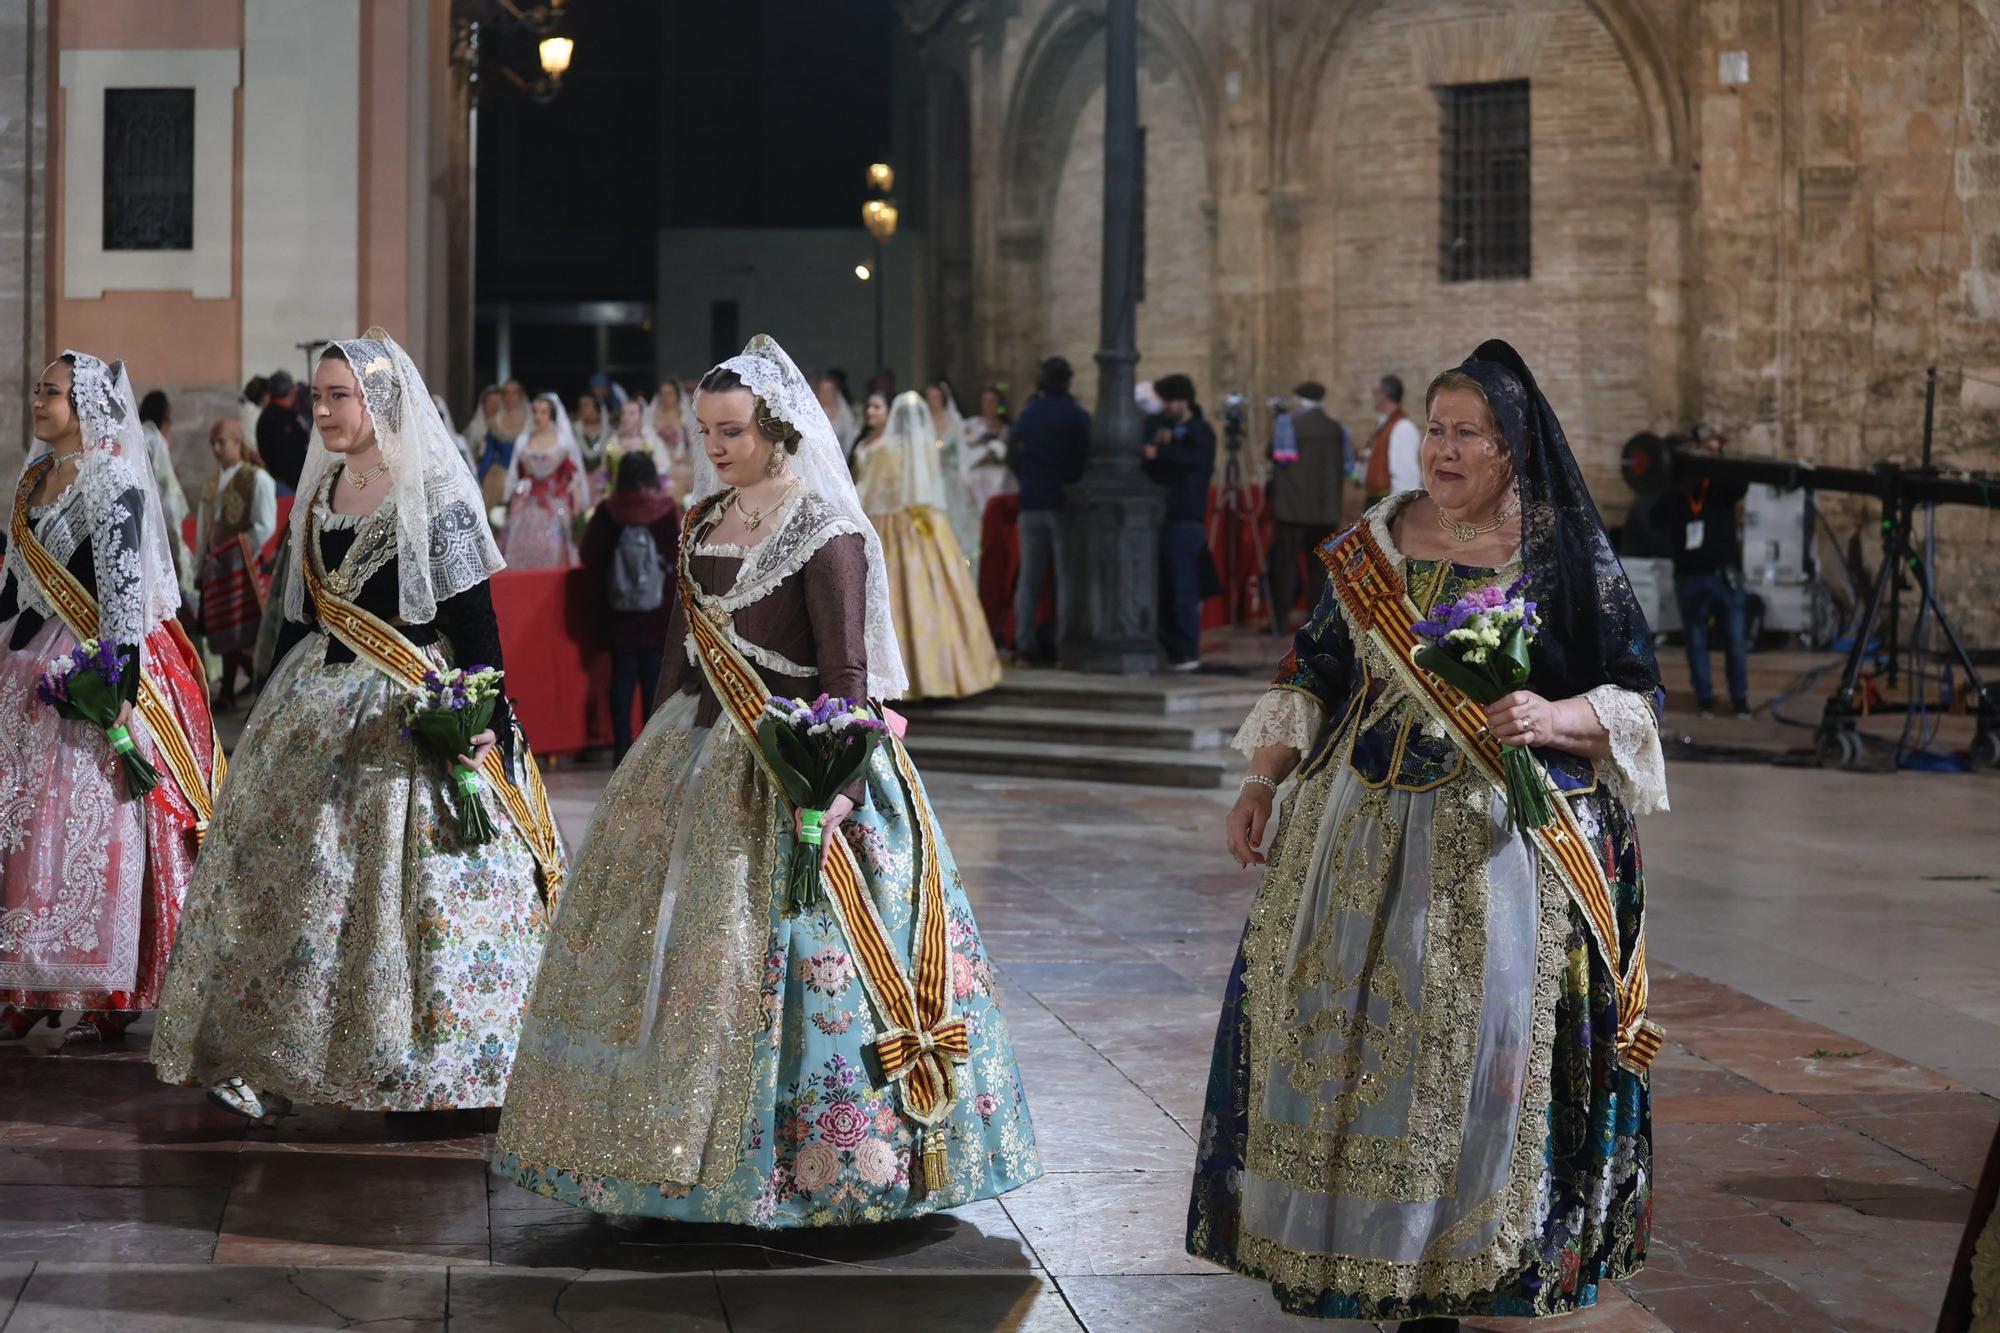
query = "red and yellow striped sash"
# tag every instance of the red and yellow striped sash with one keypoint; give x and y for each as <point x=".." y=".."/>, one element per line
<point x="1372" y="591"/>
<point x="78" y="610"/>
<point x="378" y="643"/>
<point x="921" y="1039"/>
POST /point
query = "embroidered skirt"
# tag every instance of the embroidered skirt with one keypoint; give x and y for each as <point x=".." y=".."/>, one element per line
<point x="1413" y="1107"/>
<point x="342" y="945"/>
<point x="696" y="1051"/>
<point x="934" y="598"/>
<point x="91" y="880"/>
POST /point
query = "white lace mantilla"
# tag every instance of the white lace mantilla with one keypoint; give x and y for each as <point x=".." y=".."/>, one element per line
<point x="1636" y="772"/>
<point x="97" y="508"/>
<point x="1281" y="717"/>
<point x="808" y="523"/>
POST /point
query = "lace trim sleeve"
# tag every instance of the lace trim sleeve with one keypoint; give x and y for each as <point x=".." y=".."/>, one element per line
<point x="1281" y="717"/>
<point x="1636" y="772"/>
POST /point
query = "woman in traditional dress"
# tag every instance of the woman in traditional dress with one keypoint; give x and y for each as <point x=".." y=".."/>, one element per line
<point x="995" y="494"/>
<point x="91" y="876"/>
<point x="156" y="420"/>
<point x="548" y="491"/>
<point x="239" y="513"/>
<point x="344" y="944"/>
<point x="1428" y="1097"/>
<point x="874" y="420"/>
<point x="631" y="437"/>
<point x="949" y="428"/>
<point x="831" y="389"/>
<point x="672" y="442"/>
<point x="593" y="431"/>
<point x="697" y="1049"/>
<point x="901" y="477"/>
<point x="492" y="447"/>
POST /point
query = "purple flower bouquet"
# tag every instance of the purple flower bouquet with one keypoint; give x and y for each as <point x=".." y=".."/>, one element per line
<point x="1479" y="645"/>
<point x="815" y="749"/>
<point x="445" y="713"/>
<point x="83" y="686"/>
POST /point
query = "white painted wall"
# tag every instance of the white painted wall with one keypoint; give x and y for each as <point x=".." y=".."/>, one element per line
<point x="301" y="159"/>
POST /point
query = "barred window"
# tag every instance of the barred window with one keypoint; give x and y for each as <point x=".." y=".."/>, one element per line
<point x="149" y="168"/>
<point x="1483" y="181"/>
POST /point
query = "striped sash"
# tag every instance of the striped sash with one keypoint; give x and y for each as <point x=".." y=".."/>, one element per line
<point x="921" y="1040"/>
<point x="78" y="610"/>
<point x="383" y="647"/>
<point x="1372" y="591"/>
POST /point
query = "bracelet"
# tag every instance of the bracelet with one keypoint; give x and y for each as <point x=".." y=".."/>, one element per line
<point x="1260" y="780"/>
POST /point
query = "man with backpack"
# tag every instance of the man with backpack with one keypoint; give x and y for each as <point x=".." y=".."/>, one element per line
<point x="629" y="548"/>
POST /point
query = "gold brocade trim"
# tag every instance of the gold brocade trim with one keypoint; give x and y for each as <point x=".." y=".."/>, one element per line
<point x="638" y="1058"/>
<point x="1438" y="1036"/>
<point x="1375" y="600"/>
<point x="1510" y="1211"/>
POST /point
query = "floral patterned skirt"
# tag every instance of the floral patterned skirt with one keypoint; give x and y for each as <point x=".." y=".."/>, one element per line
<point x="91" y="881"/>
<point x="1414" y="1106"/>
<point x="540" y="531"/>
<point x="341" y="945"/>
<point x="697" y="1051"/>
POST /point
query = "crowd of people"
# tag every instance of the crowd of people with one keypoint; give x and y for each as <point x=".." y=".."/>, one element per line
<point x="1428" y="1093"/>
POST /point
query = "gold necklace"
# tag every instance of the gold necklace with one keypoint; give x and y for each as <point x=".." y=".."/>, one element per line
<point x="361" y="479"/>
<point x="1467" y="532"/>
<point x="752" y="518"/>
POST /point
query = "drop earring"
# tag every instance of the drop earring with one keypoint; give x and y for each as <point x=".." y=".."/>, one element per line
<point x="775" y="464"/>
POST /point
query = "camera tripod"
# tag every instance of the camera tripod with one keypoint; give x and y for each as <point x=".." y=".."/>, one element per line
<point x="1839" y="739"/>
<point x="1238" y="506"/>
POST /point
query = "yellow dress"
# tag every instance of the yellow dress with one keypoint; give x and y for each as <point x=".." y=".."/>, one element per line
<point x="947" y="647"/>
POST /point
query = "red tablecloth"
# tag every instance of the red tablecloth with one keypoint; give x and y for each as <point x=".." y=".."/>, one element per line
<point x="558" y="675"/>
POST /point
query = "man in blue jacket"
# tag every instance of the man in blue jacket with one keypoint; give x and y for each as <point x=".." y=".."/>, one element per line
<point x="1051" y="440"/>
<point x="1180" y="456"/>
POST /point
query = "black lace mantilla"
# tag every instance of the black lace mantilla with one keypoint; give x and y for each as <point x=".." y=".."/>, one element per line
<point x="1593" y="632"/>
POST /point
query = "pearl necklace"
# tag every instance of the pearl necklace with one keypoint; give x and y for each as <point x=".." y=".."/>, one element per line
<point x="361" y="479"/>
<point x="1468" y="532"/>
<point x="754" y="518"/>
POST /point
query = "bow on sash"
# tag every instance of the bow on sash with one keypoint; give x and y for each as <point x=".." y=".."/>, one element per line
<point x="78" y="610"/>
<point x="1372" y="592"/>
<point x="921" y="1040"/>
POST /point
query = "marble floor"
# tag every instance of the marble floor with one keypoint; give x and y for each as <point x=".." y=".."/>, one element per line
<point x="1823" y="948"/>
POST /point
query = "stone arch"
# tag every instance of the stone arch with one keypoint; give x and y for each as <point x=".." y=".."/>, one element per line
<point x="1048" y="297"/>
<point x="1655" y="75"/>
<point x="1061" y="66"/>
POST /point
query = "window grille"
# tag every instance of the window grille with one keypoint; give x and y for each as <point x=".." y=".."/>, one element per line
<point x="1483" y="222"/>
<point x="149" y="168"/>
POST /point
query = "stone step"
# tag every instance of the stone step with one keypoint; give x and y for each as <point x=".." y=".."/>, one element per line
<point x="1210" y="729"/>
<point x="1123" y="765"/>
<point x="1193" y="693"/>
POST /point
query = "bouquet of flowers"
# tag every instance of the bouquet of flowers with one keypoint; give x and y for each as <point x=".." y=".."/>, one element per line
<point x="445" y="713"/>
<point x="83" y="686"/>
<point x="1479" y="646"/>
<point x="815" y="749"/>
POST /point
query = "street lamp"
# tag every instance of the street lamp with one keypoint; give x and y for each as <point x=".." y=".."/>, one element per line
<point x="472" y="22"/>
<point x="864" y="272"/>
<point x="879" y="217"/>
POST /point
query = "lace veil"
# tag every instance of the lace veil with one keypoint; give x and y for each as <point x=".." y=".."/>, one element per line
<point x="443" y="543"/>
<point x="905" y="468"/>
<point x="822" y="465"/>
<point x="565" y="440"/>
<point x="136" y="590"/>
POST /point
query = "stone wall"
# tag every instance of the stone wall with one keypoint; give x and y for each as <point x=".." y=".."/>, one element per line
<point x="1784" y="255"/>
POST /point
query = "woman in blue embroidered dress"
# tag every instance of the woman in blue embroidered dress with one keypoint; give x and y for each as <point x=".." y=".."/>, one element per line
<point x="695" y="1049"/>
<point x="1427" y="1097"/>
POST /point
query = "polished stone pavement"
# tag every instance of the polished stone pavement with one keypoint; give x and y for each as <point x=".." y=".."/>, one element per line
<point x="1823" y="947"/>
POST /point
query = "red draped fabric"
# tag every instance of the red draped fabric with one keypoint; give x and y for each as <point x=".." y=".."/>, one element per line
<point x="558" y="671"/>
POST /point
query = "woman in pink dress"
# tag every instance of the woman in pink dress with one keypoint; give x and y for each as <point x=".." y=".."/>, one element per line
<point x="91" y="875"/>
<point x="547" y="490"/>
